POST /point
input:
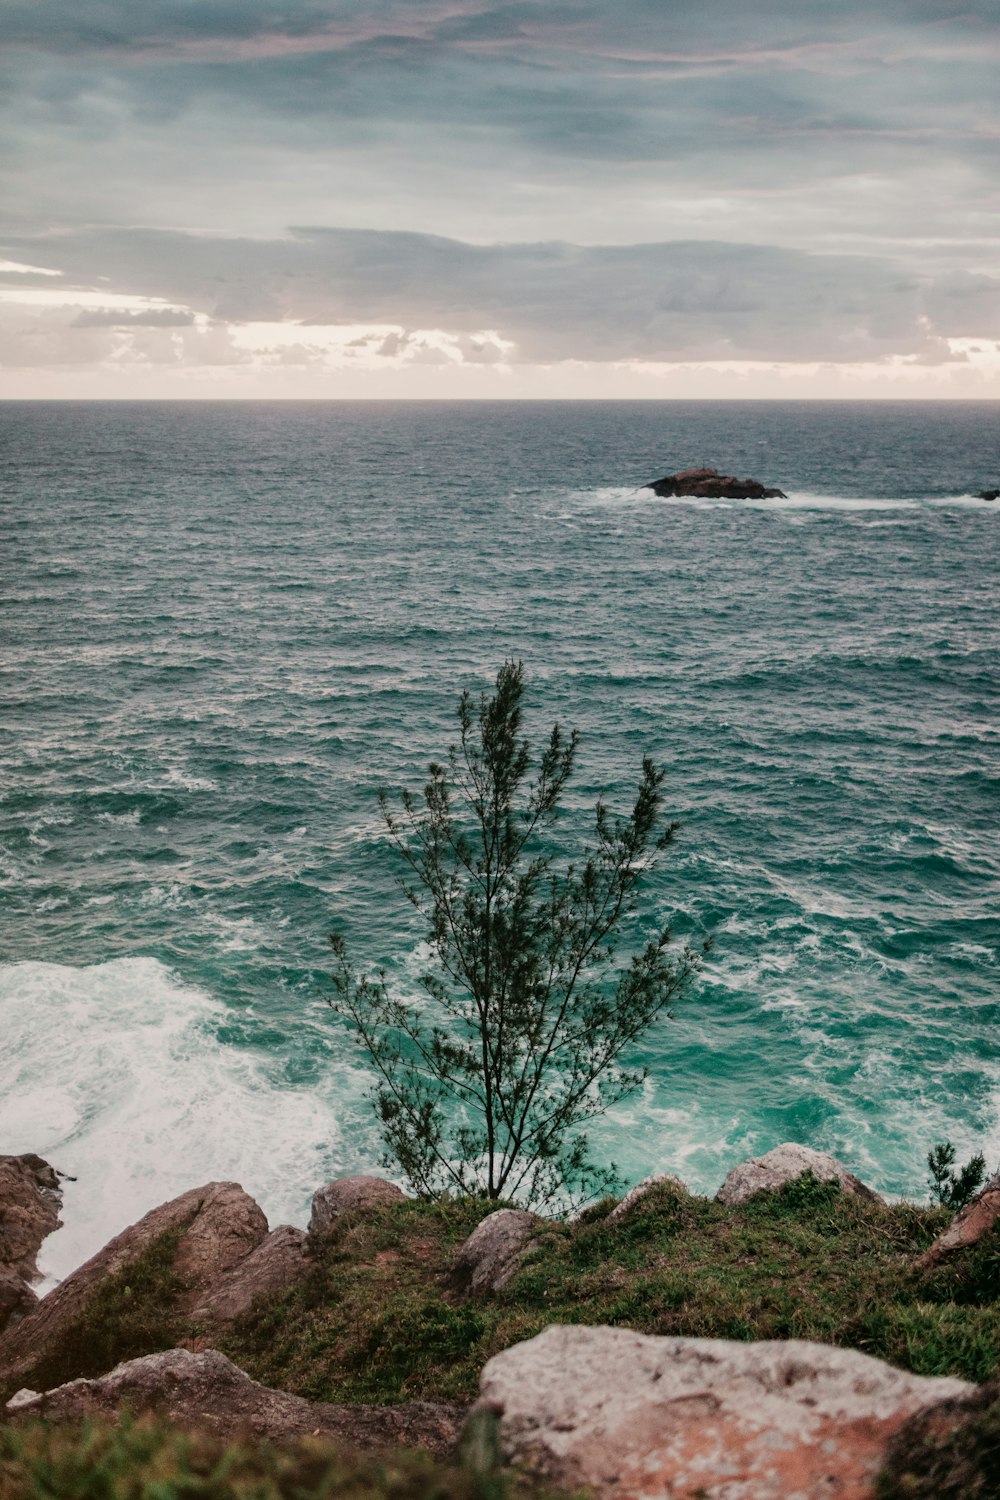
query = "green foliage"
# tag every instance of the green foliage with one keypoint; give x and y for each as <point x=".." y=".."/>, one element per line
<point x="526" y="1027"/>
<point x="953" y="1189"/>
<point x="375" y="1322"/>
<point x="150" y="1461"/>
<point x="133" y="1312"/>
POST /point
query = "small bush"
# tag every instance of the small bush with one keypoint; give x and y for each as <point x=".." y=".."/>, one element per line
<point x="953" y="1189"/>
<point x="151" y="1461"/>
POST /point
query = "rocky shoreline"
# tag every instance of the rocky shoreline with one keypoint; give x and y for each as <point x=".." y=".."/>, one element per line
<point x="621" y="1412"/>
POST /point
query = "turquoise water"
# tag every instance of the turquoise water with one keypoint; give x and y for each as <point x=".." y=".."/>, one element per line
<point x="225" y="626"/>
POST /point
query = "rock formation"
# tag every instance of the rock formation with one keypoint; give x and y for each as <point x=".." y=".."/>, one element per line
<point x="208" y="1391"/>
<point x="635" y="1195"/>
<point x="277" y="1263"/>
<point x="346" y="1193"/>
<point x="966" y="1228"/>
<point x="492" y="1253"/>
<point x="765" y="1174"/>
<point x="989" y="494"/>
<point x="30" y="1199"/>
<point x="629" y="1416"/>
<point x="217" y="1226"/>
<point x="712" y="485"/>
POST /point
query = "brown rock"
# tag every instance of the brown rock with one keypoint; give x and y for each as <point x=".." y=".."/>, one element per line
<point x="16" y="1298"/>
<point x="768" y="1173"/>
<point x="277" y="1263"/>
<point x="30" y="1199"/>
<point x="218" y="1225"/>
<point x="208" y="1391"/>
<point x="711" y="485"/>
<point x="492" y="1253"/>
<point x="967" y="1227"/>
<point x="631" y="1416"/>
<point x="346" y="1193"/>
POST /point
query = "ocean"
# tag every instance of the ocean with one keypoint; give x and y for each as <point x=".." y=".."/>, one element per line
<point x="226" y="625"/>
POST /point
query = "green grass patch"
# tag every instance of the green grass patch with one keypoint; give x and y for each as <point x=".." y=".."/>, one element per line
<point x="134" y="1312"/>
<point x="152" y="1461"/>
<point x="373" y="1323"/>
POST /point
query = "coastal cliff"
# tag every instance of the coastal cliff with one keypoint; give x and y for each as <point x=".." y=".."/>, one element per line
<point x="381" y="1326"/>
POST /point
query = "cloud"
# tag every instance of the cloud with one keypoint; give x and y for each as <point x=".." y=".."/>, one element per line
<point x="784" y="122"/>
<point x="544" y="302"/>
<point x="109" y="317"/>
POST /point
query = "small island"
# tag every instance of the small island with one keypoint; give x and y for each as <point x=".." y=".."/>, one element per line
<point x="709" y="484"/>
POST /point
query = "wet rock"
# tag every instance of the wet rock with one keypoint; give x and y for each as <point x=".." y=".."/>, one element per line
<point x="208" y="1391"/>
<point x="30" y="1200"/>
<point x="628" y="1415"/>
<point x="636" y="1194"/>
<point x="768" y="1173"/>
<point x="346" y="1193"/>
<point x="277" y="1263"/>
<point x="711" y="485"/>
<point x="989" y="494"/>
<point x="217" y="1226"/>
<point x="966" y="1228"/>
<point x="492" y="1253"/>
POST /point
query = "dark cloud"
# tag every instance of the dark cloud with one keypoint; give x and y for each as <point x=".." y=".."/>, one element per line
<point x="581" y="25"/>
<point x="167" y="317"/>
<point x="553" y="301"/>
<point x="746" y="144"/>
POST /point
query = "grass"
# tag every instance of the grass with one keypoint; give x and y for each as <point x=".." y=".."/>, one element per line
<point x="152" y="1461"/>
<point x="135" y="1311"/>
<point x="372" y="1322"/>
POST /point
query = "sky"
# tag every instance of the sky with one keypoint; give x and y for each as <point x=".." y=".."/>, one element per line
<point x="463" y="198"/>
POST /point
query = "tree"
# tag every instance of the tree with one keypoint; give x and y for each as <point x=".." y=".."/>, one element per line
<point x="953" y="1189"/>
<point x="525" y="1031"/>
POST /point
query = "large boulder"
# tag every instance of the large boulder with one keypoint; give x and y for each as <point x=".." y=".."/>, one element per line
<point x="635" y="1195"/>
<point x="966" y="1228"/>
<point x="277" y="1263"/>
<point x="627" y="1415"/>
<point x="711" y="485"/>
<point x="216" y="1226"/>
<point x="30" y="1200"/>
<point x="207" y="1390"/>
<point x="492" y="1253"/>
<point x="347" y="1193"/>
<point x="768" y="1173"/>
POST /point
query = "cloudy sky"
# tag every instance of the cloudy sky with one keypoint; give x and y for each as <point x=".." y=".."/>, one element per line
<point x="467" y="198"/>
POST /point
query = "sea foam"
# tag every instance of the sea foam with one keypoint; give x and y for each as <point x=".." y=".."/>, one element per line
<point x="114" y="1073"/>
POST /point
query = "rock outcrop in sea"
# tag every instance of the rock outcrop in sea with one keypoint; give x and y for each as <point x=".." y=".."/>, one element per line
<point x="709" y="484"/>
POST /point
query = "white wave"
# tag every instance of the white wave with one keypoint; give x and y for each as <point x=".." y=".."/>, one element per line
<point x="114" y="1074"/>
<point x="617" y="497"/>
